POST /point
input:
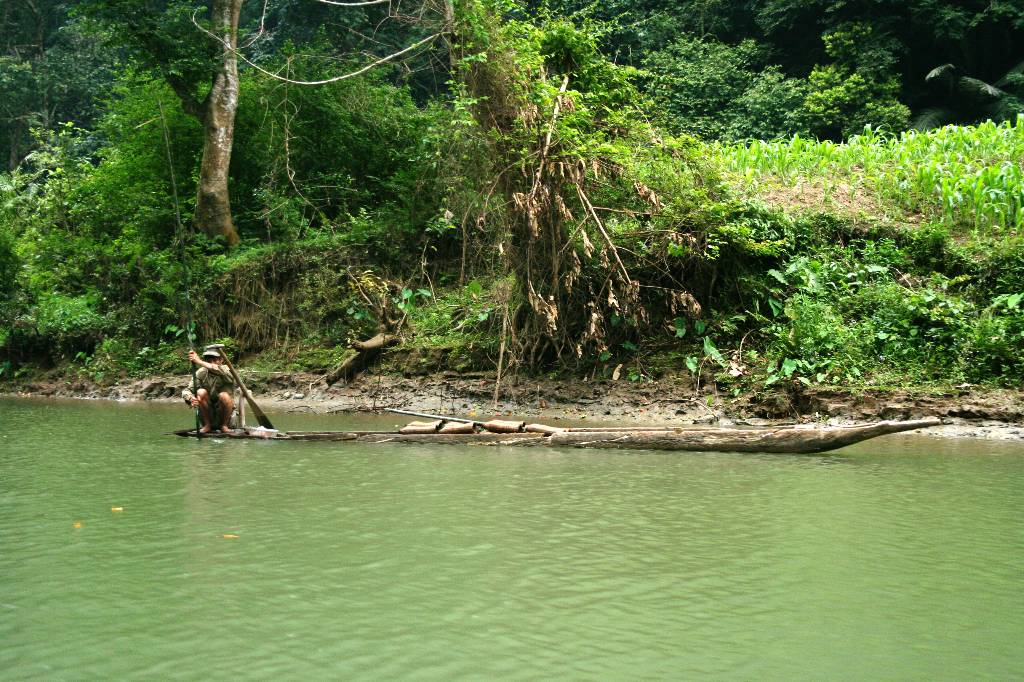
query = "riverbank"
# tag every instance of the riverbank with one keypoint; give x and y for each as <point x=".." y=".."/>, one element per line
<point x="967" y="411"/>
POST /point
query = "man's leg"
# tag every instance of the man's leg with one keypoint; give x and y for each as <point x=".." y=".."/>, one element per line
<point x="204" y="409"/>
<point x="227" y="405"/>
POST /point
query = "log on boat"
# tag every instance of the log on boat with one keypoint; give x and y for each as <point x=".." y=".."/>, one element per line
<point x="780" y="439"/>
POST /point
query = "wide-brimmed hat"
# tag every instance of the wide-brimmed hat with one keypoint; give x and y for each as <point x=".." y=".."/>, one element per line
<point x="210" y="352"/>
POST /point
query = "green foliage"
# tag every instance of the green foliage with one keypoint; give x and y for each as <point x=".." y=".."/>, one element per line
<point x="366" y="200"/>
<point x="968" y="177"/>
<point x="993" y="347"/>
<point x="859" y="88"/>
<point x="849" y="317"/>
<point x="718" y="91"/>
<point x="354" y="157"/>
<point x="9" y="267"/>
<point x="70" y="324"/>
<point x="966" y="99"/>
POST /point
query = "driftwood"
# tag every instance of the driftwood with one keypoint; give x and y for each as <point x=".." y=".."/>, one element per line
<point x="365" y="353"/>
<point x="501" y="426"/>
<point x="458" y="427"/>
<point x="542" y="428"/>
<point x="783" y="439"/>
<point x="421" y="427"/>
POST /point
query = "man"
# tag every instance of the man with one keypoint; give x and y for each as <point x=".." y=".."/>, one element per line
<point x="216" y="389"/>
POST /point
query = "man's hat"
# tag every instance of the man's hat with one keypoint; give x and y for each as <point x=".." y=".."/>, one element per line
<point x="211" y="352"/>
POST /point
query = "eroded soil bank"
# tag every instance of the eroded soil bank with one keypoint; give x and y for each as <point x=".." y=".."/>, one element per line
<point x="967" y="411"/>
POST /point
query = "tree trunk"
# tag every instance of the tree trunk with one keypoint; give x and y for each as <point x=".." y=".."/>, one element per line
<point x="213" y="203"/>
<point x="14" y="158"/>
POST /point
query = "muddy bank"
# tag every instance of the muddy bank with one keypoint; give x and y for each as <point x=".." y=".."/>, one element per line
<point x="966" y="411"/>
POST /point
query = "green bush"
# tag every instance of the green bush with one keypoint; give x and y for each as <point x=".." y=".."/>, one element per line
<point x="69" y="324"/>
<point x="816" y="334"/>
<point x="859" y="88"/>
<point x="719" y="91"/>
<point x="994" y="343"/>
<point x="10" y="264"/>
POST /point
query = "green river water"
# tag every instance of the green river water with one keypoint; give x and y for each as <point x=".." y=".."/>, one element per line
<point x="899" y="558"/>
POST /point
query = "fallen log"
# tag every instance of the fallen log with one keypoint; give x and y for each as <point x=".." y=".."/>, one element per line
<point x="501" y="426"/>
<point x="457" y="427"/>
<point x="421" y="427"/>
<point x="542" y="428"/>
<point x="365" y="353"/>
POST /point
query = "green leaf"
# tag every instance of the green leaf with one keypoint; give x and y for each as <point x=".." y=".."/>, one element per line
<point x="630" y="346"/>
<point x="1014" y="300"/>
<point x="776" y="307"/>
<point x="605" y="356"/>
<point x="680" y="325"/>
<point x="778" y="275"/>
<point x="699" y="326"/>
<point x="691" y="364"/>
<point x="789" y="366"/>
<point x="712" y="352"/>
<point x="425" y="293"/>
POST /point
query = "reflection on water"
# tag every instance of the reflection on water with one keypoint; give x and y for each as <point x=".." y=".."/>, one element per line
<point x="896" y="558"/>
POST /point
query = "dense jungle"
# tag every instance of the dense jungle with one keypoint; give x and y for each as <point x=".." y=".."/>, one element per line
<point x="758" y="196"/>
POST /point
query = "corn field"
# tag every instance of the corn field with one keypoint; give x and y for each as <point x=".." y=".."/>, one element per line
<point x="966" y="176"/>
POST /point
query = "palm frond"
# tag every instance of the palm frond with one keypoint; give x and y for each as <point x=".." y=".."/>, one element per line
<point x="1012" y="77"/>
<point x="943" y="72"/>
<point x="1006" y="109"/>
<point x="979" y="88"/>
<point x="932" y="117"/>
<point x="1011" y="82"/>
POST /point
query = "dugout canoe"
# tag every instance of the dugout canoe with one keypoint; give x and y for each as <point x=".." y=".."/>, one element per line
<point x="772" y="439"/>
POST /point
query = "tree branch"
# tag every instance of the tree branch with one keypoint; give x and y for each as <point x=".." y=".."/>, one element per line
<point x="190" y="104"/>
<point x="355" y="4"/>
<point x="335" y="79"/>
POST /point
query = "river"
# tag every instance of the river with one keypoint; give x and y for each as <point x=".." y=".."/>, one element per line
<point x="126" y="553"/>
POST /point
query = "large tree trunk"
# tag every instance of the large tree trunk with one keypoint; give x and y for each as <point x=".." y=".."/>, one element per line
<point x="213" y="203"/>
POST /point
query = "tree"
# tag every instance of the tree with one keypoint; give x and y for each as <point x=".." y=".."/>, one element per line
<point x="859" y="88"/>
<point x="201" y="69"/>
<point x="51" y="71"/>
<point x="718" y="91"/>
<point x="213" y="201"/>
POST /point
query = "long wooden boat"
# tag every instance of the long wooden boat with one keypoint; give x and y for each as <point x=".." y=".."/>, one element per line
<point x="772" y="439"/>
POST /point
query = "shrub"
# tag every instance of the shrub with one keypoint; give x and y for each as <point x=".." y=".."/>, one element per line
<point x="69" y="324"/>
<point x="993" y="347"/>
<point x="720" y="91"/>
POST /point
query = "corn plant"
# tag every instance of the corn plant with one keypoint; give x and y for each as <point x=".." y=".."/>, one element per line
<point x="965" y="176"/>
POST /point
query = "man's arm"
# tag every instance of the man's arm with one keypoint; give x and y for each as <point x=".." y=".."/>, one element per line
<point x="194" y="358"/>
<point x="220" y="370"/>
